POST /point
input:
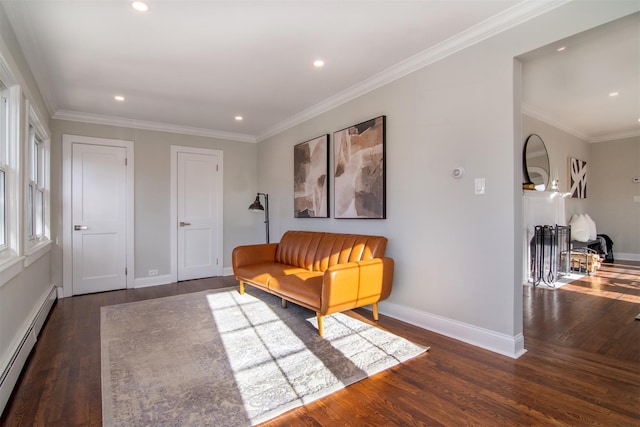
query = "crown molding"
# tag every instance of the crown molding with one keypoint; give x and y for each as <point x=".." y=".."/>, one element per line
<point x="24" y="31"/>
<point x="505" y="20"/>
<point x="616" y="136"/>
<point x="538" y="114"/>
<point x="98" y="119"/>
<point x="548" y="119"/>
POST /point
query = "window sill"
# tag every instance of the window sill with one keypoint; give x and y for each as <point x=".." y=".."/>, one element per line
<point x="10" y="267"/>
<point x="36" y="252"/>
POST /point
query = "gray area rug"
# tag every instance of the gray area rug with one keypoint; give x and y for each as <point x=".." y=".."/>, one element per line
<point x="225" y="359"/>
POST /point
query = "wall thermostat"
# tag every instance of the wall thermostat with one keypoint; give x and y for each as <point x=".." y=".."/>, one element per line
<point x="458" y="172"/>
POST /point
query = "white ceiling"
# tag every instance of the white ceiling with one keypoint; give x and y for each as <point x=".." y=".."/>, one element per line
<point x="570" y="88"/>
<point x="191" y="66"/>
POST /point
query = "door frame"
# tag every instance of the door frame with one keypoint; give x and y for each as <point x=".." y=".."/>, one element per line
<point x="173" y="221"/>
<point x="67" y="191"/>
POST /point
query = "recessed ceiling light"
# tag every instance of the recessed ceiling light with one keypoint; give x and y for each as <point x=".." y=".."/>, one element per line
<point x="140" y="6"/>
<point x="239" y="118"/>
<point x="561" y="48"/>
<point x="318" y="63"/>
<point x="119" y="98"/>
<point x="612" y="94"/>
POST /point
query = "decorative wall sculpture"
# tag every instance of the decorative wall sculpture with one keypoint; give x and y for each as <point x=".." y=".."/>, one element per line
<point x="359" y="170"/>
<point x="578" y="178"/>
<point x="310" y="170"/>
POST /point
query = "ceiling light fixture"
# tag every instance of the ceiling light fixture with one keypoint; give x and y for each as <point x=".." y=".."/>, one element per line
<point x="140" y="6"/>
<point x="318" y="63"/>
<point x="119" y="98"/>
<point x="612" y="94"/>
<point x="239" y="118"/>
<point x="561" y="48"/>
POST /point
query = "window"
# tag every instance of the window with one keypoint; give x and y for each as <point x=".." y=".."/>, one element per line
<point x="4" y="149"/>
<point x="36" y="184"/>
<point x="9" y="170"/>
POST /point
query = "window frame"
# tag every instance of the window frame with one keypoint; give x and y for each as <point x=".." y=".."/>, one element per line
<point x="37" y="154"/>
<point x="9" y="161"/>
<point x="4" y="163"/>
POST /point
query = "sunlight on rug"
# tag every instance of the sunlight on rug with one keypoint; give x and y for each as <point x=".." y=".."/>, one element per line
<point x="221" y="358"/>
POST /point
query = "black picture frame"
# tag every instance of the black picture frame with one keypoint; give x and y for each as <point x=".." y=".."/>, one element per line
<point x="360" y="170"/>
<point x="311" y="178"/>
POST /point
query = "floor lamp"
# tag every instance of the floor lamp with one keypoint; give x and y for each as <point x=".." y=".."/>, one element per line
<point x="256" y="206"/>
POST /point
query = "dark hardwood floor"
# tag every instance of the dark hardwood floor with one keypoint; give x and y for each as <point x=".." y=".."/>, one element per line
<point x="582" y="366"/>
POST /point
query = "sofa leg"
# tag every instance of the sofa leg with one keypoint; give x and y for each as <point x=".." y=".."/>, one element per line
<point x="320" y="324"/>
<point x="241" y="287"/>
<point x="374" y="307"/>
<point x="283" y="303"/>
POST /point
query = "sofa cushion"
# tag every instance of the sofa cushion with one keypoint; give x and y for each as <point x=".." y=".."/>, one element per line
<point x="304" y="288"/>
<point x="298" y="248"/>
<point x="261" y="273"/>
<point x="318" y="251"/>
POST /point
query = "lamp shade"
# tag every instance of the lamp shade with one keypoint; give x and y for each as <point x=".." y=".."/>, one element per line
<point x="256" y="205"/>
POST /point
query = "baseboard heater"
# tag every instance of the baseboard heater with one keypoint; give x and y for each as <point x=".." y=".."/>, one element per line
<point x="13" y="369"/>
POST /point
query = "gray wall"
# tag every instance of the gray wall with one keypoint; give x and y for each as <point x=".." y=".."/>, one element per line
<point x="23" y="295"/>
<point x="611" y="192"/>
<point x="611" y="166"/>
<point x="561" y="146"/>
<point x="152" y="201"/>
<point x="457" y="254"/>
<point x="10" y="51"/>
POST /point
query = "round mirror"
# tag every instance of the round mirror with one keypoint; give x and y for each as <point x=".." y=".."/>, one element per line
<point x="535" y="164"/>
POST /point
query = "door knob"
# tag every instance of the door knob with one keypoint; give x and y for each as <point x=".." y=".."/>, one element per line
<point x="184" y="224"/>
<point x="80" y="227"/>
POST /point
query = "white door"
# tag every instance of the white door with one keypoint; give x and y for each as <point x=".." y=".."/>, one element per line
<point x="197" y="203"/>
<point x="99" y="189"/>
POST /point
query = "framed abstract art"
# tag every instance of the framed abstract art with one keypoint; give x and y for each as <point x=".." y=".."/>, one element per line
<point x="359" y="170"/>
<point x="577" y="178"/>
<point x="310" y="178"/>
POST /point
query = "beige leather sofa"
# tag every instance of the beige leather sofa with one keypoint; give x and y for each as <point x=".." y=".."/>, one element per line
<point x="324" y="272"/>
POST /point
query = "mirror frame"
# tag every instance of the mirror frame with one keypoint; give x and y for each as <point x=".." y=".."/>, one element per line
<point x="528" y="184"/>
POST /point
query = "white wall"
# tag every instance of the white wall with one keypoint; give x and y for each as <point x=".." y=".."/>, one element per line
<point x="458" y="263"/>
<point x="152" y="201"/>
<point x="611" y="166"/>
<point x="20" y="300"/>
<point x="612" y="191"/>
<point x="458" y="260"/>
<point x="23" y="289"/>
<point x="560" y="147"/>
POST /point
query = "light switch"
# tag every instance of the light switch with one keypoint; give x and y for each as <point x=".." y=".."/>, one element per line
<point x="636" y="199"/>
<point x="480" y="186"/>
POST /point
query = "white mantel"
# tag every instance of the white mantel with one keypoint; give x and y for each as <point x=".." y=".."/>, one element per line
<point x="539" y="208"/>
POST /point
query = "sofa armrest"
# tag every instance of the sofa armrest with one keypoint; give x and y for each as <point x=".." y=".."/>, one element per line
<point x="355" y="284"/>
<point x="253" y="254"/>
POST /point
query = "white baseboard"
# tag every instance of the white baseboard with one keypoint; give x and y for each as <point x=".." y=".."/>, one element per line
<point x="626" y="256"/>
<point x="144" y="282"/>
<point x="11" y="372"/>
<point x="227" y="271"/>
<point x="512" y="346"/>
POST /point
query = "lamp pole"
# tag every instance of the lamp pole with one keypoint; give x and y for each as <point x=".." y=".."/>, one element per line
<point x="266" y="213"/>
<point x="257" y="206"/>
